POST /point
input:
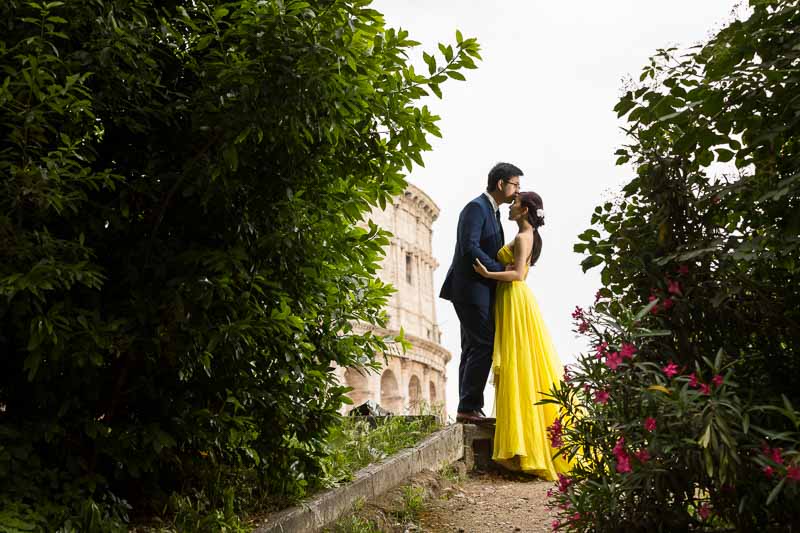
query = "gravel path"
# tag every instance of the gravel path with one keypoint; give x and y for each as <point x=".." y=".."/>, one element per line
<point x="490" y="503"/>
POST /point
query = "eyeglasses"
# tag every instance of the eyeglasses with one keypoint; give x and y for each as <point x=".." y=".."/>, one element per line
<point x="514" y="183"/>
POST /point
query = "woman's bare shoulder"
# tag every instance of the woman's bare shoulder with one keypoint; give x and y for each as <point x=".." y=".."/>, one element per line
<point x="524" y="237"/>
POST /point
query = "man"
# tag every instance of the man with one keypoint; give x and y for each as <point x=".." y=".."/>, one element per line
<point x="480" y="236"/>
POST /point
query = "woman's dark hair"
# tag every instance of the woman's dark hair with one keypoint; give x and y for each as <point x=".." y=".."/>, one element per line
<point x="533" y="202"/>
<point x="501" y="171"/>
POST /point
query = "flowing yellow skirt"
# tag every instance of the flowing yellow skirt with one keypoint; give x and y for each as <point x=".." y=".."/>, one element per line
<point x="525" y="364"/>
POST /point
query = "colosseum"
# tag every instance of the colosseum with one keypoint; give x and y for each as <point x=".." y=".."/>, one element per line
<point x="416" y="378"/>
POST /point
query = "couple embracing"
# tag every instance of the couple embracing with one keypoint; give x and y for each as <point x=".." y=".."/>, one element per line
<point x="501" y="327"/>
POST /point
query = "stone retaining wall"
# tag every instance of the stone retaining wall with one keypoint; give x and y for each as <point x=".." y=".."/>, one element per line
<point x="436" y="451"/>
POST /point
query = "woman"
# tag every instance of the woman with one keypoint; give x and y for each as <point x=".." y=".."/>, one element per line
<point x="524" y="359"/>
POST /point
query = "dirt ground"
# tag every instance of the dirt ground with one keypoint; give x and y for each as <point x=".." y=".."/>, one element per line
<point x="489" y="503"/>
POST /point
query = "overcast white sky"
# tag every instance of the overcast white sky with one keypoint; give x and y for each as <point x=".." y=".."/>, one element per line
<point x="542" y="98"/>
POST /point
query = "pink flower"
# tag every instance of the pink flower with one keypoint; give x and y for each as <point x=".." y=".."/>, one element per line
<point x="667" y="304"/>
<point x="768" y="471"/>
<point x="555" y="525"/>
<point x="623" y="464"/>
<point x="575" y="517"/>
<point x="627" y="350"/>
<point x="597" y="296"/>
<point x="563" y="483"/>
<point x="600" y="350"/>
<point x="577" y="314"/>
<point x="705" y="389"/>
<point x="643" y="456"/>
<point x="623" y="460"/>
<point x="613" y="360"/>
<point x="583" y="327"/>
<point x="670" y="370"/>
<point x="550" y="493"/>
<point x="650" y="423"/>
<point x="692" y="380"/>
<point x="619" y="447"/>
<point x="718" y="380"/>
<point x="776" y="454"/>
<point x="554" y="431"/>
<point x="652" y="298"/>
<point x="793" y="473"/>
<point x="673" y="287"/>
<point x="704" y="511"/>
<point x="683" y="269"/>
<point x="601" y="396"/>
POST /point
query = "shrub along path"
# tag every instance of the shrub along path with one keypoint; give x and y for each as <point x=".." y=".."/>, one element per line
<point x="491" y="502"/>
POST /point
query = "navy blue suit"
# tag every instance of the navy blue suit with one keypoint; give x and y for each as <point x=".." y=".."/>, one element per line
<point x="480" y="236"/>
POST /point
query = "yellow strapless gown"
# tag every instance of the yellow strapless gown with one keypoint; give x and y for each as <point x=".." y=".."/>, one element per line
<point x="525" y="364"/>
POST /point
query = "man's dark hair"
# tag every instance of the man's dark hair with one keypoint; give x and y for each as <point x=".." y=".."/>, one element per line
<point x="501" y="171"/>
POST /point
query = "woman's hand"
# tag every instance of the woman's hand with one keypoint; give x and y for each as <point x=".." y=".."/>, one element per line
<point x="479" y="268"/>
<point x="510" y="267"/>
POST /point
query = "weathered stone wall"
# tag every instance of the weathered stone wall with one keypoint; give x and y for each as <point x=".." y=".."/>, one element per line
<point x="417" y="376"/>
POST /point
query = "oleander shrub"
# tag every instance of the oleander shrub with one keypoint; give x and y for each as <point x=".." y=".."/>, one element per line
<point x="667" y="447"/>
<point x="703" y="240"/>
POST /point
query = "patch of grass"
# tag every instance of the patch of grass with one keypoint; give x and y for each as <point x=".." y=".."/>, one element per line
<point x="219" y="498"/>
<point x="353" y="522"/>
<point x="453" y="473"/>
<point x="356" y="443"/>
<point x="413" y="504"/>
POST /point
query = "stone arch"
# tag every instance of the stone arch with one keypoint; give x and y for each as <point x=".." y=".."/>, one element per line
<point x="414" y="394"/>
<point x="391" y="399"/>
<point x="358" y="382"/>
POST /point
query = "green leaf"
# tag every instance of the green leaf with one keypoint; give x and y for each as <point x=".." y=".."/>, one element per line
<point x="775" y="492"/>
<point x="430" y="61"/>
<point x="724" y="155"/>
<point x="646" y="309"/>
<point x="591" y="262"/>
<point x="447" y="52"/>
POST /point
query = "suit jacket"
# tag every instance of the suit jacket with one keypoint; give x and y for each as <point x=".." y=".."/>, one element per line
<point x="479" y="236"/>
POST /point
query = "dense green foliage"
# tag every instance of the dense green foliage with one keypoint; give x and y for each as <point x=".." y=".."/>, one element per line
<point x="707" y="235"/>
<point x="716" y="146"/>
<point x="180" y="263"/>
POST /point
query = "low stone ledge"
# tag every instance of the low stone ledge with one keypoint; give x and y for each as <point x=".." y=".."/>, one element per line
<point x="436" y="451"/>
<point x="478" y="445"/>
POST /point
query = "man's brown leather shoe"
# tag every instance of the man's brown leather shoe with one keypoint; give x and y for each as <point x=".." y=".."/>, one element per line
<point x="470" y="417"/>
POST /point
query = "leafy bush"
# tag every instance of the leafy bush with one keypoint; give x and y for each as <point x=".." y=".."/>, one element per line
<point x="180" y="263"/>
<point x="704" y="240"/>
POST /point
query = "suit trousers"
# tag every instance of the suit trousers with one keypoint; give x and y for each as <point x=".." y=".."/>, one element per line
<point x="477" y="343"/>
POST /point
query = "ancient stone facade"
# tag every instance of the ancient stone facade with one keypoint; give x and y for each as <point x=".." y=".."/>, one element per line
<point x="407" y="381"/>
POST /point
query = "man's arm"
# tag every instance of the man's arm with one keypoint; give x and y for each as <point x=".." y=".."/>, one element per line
<point x="522" y="252"/>
<point x="469" y="234"/>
